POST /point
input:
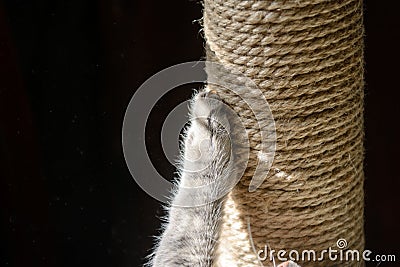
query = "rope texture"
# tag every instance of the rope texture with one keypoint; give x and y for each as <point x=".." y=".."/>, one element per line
<point x="307" y="58"/>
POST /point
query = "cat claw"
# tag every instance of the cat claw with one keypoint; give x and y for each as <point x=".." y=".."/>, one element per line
<point x="209" y="94"/>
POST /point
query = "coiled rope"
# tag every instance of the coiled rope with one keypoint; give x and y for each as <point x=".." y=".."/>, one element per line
<point x="307" y="59"/>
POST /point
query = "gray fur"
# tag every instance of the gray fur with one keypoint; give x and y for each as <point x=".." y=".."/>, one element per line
<point x="190" y="233"/>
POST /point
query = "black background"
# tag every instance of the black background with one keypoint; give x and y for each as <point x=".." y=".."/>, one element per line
<point x="67" y="72"/>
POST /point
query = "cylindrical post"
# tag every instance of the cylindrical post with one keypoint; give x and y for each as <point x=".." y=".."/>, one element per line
<point x="307" y="59"/>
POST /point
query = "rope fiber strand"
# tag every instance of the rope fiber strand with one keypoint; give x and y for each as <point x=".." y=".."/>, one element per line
<point x="307" y="59"/>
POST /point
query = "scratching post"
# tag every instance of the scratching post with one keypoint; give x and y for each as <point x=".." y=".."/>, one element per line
<point x="307" y="59"/>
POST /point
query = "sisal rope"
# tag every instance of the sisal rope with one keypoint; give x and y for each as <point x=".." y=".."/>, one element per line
<point x="307" y="59"/>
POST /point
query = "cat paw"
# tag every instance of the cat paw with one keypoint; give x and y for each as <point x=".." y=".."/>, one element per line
<point x="210" y="112"/>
